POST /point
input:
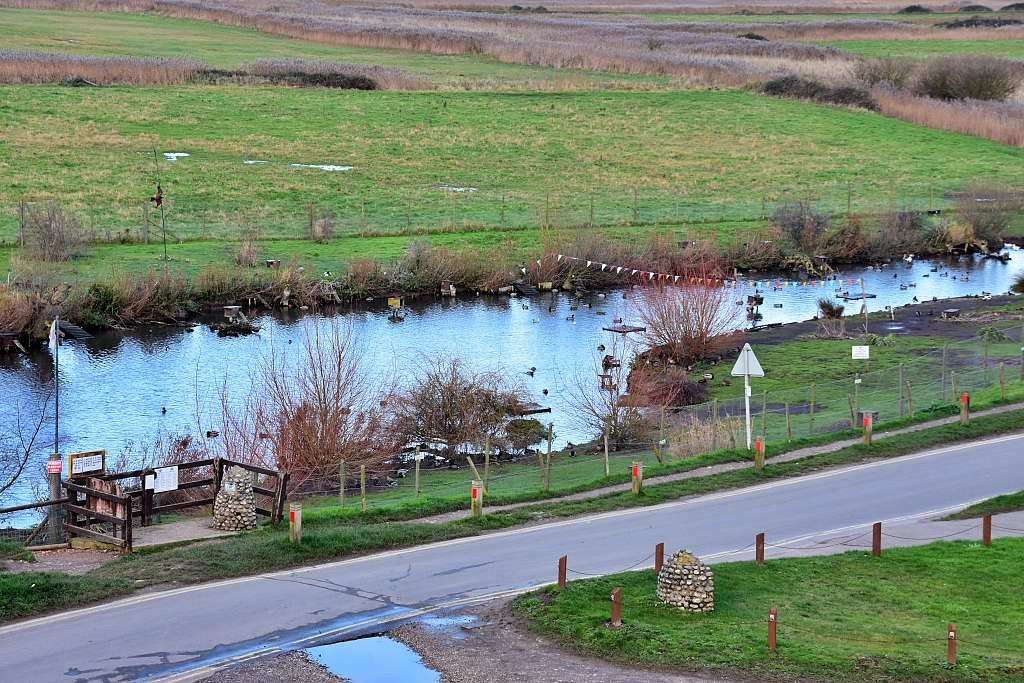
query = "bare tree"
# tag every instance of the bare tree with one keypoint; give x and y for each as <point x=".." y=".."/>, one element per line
<point x="985" y="211"/>
<point x="453" y="406"/>
<point x="21" y="437"/>
<point x="53" y="234"/>
<point x="688" y="323"/>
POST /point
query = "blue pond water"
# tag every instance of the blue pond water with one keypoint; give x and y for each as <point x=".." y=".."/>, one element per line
<point x="374" y="660"/>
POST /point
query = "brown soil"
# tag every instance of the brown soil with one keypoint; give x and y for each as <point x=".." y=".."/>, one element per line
<point x="499" y="648"/>
<point x="76" y="562"/>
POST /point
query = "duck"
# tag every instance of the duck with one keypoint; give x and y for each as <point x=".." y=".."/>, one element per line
<point x="572" y="317"/>
<point x="600" y="347"/>
<point x="895" y="275"/>
<point x="525" y="307"/>
<point x="913" y="284"/>
<point x="943" y="274"/>
<point x="574" y="308"/>
<point x="163" y="411"/>
<point x="777" y="305"/>
<point x="903" y="288"/>
<point x="601" y="296"/>
<point x="915" y="299"/>
<point x="536" y="320"/>
<point x="926" y="275"/>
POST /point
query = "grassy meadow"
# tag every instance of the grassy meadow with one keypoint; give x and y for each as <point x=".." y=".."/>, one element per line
<point x="920" y="50"/>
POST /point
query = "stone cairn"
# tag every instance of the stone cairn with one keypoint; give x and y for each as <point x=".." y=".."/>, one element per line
<point x="234" y="508"/>
<point x="687" y="583"/>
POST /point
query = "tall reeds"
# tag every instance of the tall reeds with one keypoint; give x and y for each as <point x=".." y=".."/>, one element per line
<point x="27" y="66"/>
<point x="999" y="121"/>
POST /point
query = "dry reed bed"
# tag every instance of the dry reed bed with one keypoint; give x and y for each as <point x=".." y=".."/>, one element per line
<point x="999" y="121"/>
<point x="29" y="67"/>
<point x="386" y="77"/>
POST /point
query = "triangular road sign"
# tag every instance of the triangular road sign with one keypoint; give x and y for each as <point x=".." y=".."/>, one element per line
<point x="747" y="364"/>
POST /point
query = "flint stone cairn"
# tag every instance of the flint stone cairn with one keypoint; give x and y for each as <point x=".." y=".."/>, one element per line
<point x="687" y="583"/>
<point x="234" y="508"/>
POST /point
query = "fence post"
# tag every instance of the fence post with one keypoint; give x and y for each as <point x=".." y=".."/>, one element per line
<point x="810" y="422"/>
<point x="951" y="647"/>
<point x="547" y="462"/>
<point x="591" y="209"/>
<point x="659" y="557"/>
<point x="295" y="522"/>
<point x="408" y="215"/>
<point x="943" y="373"/>
<point x="986" y="530"/>
<point x="635" y="192"/>
<point x="477" y="498"/>
<point x="764" y="411"/>
<point x="910" y="401"/>
<point x="868" y="417"/>
<point x="853" y="418"/>
<point x="759" y="454"/>
<point x="965" y="409"/>
<point x="638" y="476"/>
<point x="341" y="486"/>
<point x="1002" y="381"/>
<point x="772" y="617"/>
<point x="789" y="430"/>
<point x="616" y="608"/>
<point x="984" y="362"/>
<point x="362" y="486"/>
<point x="759" y="551"/>
<point x="952" y="381"/>
<point x="145" y="224"/>
<point x="876" y="539"/>
<point x="561" y="570"/>
<point x="362" y="216"/>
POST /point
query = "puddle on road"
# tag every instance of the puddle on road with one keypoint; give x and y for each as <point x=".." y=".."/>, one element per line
<point x="374" y="660"/>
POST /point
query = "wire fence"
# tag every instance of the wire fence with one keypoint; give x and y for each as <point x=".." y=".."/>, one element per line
<point x="394" y="210"/>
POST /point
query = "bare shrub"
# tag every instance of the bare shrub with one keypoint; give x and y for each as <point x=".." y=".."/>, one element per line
<point x="797" y="88"/>
<point x="687" y="324"/>
<point x="382" y="77"/>
<point x="801" y="224"/>
<point x="16" y="309"/>
<point x="248" y="252"/>
<point x="598" y="397"/>
<point x="986" y="210"/>
<point x="453" y="408"/>
<point x="28" y="66"/>
<point x="53" y="234"/>
<point x="322" y="222"/>
<point x="901" y="230"/>
<point x="961" y="77"/>
<point x="888" y="70"/>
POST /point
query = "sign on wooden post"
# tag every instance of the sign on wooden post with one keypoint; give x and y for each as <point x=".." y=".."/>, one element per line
<point x="166" y="479"/>
<point x="87" y="464"/>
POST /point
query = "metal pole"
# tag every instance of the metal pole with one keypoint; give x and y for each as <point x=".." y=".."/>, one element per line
<point x="746" y="399"/>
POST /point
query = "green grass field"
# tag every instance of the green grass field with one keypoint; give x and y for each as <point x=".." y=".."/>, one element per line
<point x="849" y="617"/>
<point x="919" y="50"/>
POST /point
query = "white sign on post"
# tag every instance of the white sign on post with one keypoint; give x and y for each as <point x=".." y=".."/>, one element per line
<point x="861" y="353"/>
<point x="748" y="366"/>
<point x="166" y="479"/>
<point x="87" y="463"/>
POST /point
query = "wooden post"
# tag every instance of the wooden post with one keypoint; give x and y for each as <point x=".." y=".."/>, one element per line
<point x="607" y="426"/>
<point x="561" y="570"/>
<point x="341" y="485"/>
<point x="910" y="402"/>
<point x="362" y="485"/>
<point x="951" y="647"/>
<point x="986" y="530"/>
<point x="455" y="225"/>
<point x="764" y="412"/>
<point x="659" y="557"/>
<point x="638" y="476"/>
<point x="759" y="454"/>
<point x="952" y="380"/>
<point x="295" y="522"/>
<point x="547" y="210"/>
<point x="943" y="373"/>
<point x="635" y="191"/>
<point x="901" y="389"/>
<point x="476" y="508"/>
<point x="853" y="417"/>
<point x="772" y="618"/>
<point x="869" y="427"/>
<point x="419" y="457"/>
<point x="789" y="427"/>
<point x="543" y="471"/>
<point x="591" y="209"/>
<point x="661" y="430"/>
<point x="616" y="608"/>
<point x="502" y="211"/>
<point x="810" y="422"/>
<point x="759" y="551"/>
<point x="984" y="362"/>
<point x="849" y="199"/>
<point x="732" y="432"/>
<point x="876" y="539"/>
<point x="147" y="503"/>
<point x="931" y="197"/>
<point x="362" y="216"/>
<point x="965" y="409"/>
<point x="714" y="425"/>
<point x="1002" y="382"/>
<point x="21" y="222"/>
<point x="408" y="216"/>
<point x="547" y="464"/>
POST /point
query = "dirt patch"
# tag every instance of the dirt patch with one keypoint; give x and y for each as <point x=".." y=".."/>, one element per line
<point x="290" y="667"/>
<point x="75" y="562"/>
<point x="498" y="647"/>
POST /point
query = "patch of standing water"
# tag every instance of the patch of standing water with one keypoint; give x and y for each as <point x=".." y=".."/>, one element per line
<point x="173" y="156"/>
<point x="374" y="660"/>
<point x="324" y="167"/>
<point x="253" y="161"/>
<point x="449" y="188"/>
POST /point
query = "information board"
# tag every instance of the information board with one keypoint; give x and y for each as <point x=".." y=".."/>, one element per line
<point x="861" y="353"/>
<point x="87" y="464"/>
<point x="166" y="479"/>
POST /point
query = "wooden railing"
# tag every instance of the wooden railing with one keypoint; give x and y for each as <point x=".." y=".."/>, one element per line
<point x="80" y="518"/>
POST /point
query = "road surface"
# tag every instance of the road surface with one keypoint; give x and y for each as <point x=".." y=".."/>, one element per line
<point x="184" y="634"/>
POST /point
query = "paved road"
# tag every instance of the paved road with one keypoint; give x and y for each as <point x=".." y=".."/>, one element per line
<point x="172" y="635"/>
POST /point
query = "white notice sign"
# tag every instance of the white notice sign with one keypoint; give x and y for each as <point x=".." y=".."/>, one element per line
<point x="86" y="463"/>
<point x="166" y="479"/>
<point x="861" y="352"/>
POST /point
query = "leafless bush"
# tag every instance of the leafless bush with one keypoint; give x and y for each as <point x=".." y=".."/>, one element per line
<point x="801" y="224"/>
<point x="16" y="309"/>
<point x="1002" y="122"/>
<point x="52" y="233"/>
<point x="320" y="227"/>
<point x="962" y="77"/>
<point x="453" y="408"/>
<point x="28" y="66"/>
<point x="986" y="210"/>
<point x="888" y="70"/>
<point x="902" y="230"/>
<point x="247" y="253"/>
<point x="687" y="324"/>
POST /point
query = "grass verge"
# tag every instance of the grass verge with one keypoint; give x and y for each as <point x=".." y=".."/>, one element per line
<point x="1011" y="502"/>
<point x="30" y="593"/>
<point x="849" y="617"/>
